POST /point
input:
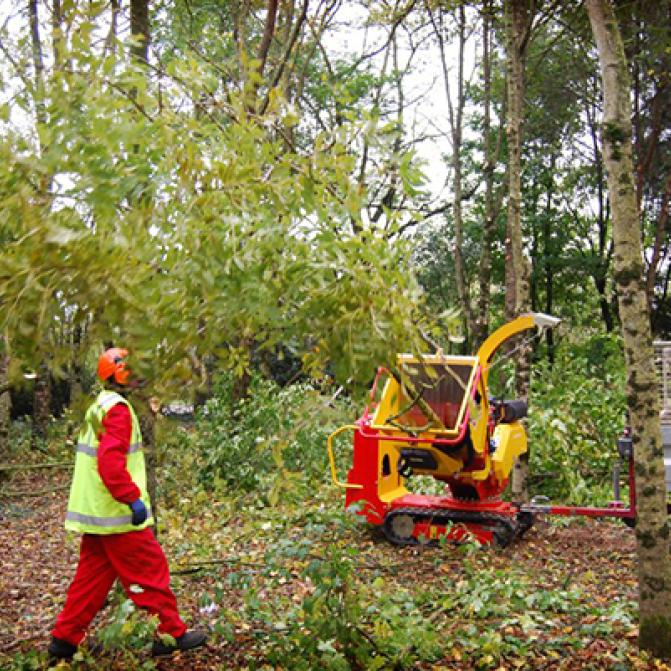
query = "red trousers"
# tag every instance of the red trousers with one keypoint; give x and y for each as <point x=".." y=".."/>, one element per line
<point x="137" y="560"/>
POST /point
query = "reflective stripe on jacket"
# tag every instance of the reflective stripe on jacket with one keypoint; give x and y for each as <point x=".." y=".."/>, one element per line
<point x="91" y="508"/>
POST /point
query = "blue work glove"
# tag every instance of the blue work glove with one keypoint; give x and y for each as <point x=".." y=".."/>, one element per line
<point x="139" y="512"/>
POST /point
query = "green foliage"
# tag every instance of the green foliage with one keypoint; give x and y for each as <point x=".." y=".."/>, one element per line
<point x="322" y="632"/>
<point x="128" y="628"/>
<point x="487" y="616"/>
<point x="341" y="623"/>
<point x="20" y="436"/>
<point x="29" y="661"/>
<point x="577" y="411"/>
<point x="134" y="218"/>
<point x="275" y="438"/>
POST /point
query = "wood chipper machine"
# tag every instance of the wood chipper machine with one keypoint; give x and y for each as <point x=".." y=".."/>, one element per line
<point x="434" y="417"/>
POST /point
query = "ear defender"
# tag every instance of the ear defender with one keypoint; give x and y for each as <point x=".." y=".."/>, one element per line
<point x="121" y="373"/>
<point x="111" y="364"/>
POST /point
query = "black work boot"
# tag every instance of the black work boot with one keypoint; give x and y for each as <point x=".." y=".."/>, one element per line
<point x="60" y="649"/>
<point x="188" y="640"/>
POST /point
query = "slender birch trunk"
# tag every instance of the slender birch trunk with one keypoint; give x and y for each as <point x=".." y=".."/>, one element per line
<point x="456" y="117"/>
<point x="481" y="322"/>
<point x="517" y="265"/>
<point x="652" y="528"/>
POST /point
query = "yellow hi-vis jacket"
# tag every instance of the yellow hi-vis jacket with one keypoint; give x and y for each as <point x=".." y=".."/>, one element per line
<point x="91" y="508"/>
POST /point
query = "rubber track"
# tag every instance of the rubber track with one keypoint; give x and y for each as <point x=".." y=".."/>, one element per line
<point x="505" y="527"/>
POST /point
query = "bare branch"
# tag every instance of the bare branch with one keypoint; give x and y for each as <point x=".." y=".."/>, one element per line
<point x="268" y="32"/>
<point x="287" y="53"/>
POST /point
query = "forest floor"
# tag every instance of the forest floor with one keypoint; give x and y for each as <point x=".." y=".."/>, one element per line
<point x="594" y="561"/>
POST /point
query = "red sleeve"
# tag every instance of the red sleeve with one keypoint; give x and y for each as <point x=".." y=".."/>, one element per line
<point x="114" y="441"/>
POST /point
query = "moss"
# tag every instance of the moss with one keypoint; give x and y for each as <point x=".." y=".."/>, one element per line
<point x="615" y="136"/>
<point x="629" y="274"/>
<point x="640" y="469"/>
<point x="654" y="584"/>
<point x="655" y="635"/>
<point x="614" y="133"/>
<point x="646" y="539"/>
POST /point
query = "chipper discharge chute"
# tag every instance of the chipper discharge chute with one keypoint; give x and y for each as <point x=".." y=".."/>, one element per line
<point x="435" y="418"/>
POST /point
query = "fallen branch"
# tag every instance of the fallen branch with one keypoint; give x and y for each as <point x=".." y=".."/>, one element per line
<point x="410" y="391"/>
<point x="195" y="567"/>
<point x="202" y="565"/>
<point x="31" y="467"/>
<point x="39" y="492"/>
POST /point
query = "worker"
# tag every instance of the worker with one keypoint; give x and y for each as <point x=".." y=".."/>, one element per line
<point x="110" y="506"/>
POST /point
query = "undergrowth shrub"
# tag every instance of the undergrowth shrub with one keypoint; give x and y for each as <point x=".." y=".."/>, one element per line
<point x="342" y="614"/>
<point x="341" y="623"/>
<point x="274" y="439"/>
<point x="128" y="631"/>
<point x="576" y="413"/>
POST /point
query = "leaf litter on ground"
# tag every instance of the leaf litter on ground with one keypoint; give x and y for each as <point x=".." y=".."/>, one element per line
<point x="563" y="597"/>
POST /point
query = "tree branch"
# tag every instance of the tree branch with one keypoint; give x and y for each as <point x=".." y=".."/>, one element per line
<point x="268" y="32"/>
<point x="287" y="52"/>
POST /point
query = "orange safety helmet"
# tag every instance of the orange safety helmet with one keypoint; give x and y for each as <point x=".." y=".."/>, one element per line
<point x="111" y="364"/>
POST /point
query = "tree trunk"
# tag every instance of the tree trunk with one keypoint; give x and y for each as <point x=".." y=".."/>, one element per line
<point x="243" y="378"/>
<point x="139" y="29"/>
<point x="201" y="369"/>
<point x="110" y="40"/>
<point x="5" y="404"/>
<point x="147" y="408"/>
<point x="57" y="34"/>
<point x="42" y="402"/>
<point x="601" y="283"/>
<point x="518" y="23"/>
<point x="268" y="34"/>
<point x="76" y="369"/>
<point x="652" y="529"/>
<point x="602" y="260"/>
<point x="291" y="33"/>
<point x="456" y="114"/>
<point x="252" y="85"/>
<point x="241" y="385"/>
<point x="481" y="321"/>
<point x="548" y="256"/>
<point x="38" y="67"/>
<point x="661" y="234"/>
<point x="36" y="42"/>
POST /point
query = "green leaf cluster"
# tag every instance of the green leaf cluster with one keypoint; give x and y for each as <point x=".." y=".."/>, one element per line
<point x="129" y="217"/>
<point x="577" y="411"/>
<point x="272" y="442"/>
